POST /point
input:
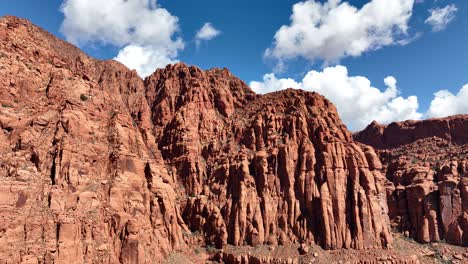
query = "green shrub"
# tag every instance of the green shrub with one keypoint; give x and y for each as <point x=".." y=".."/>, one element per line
<point x="83" y="97"/>
<point x="211" y="249"/>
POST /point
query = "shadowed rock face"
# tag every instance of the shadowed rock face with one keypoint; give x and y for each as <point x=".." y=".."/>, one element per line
<point x="99" y="166"/>
<point x="427" y="169"/>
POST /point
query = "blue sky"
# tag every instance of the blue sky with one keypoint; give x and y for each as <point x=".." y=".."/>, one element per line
<point x="430" y="62"/>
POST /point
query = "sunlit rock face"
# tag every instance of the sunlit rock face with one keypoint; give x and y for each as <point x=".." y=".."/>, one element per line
<point x="100" y="166"/>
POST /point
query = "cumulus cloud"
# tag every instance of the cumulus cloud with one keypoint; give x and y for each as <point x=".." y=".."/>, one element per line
<point x="140" y="27"/>
<point x="446" y="103"/>
<point x="334" y="29"/>
<point x="441" y="17"/>
<point x="145" y="59"/>
<point x="357" y="101"/>
<point x="207" y="32"/>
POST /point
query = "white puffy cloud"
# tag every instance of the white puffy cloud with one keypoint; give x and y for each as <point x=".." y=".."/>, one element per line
<point x="441" y="17"/>
<point x="139" y="27"/>
<point x="446" y="103"/>
<point x="207" y="32"/>
<point x="144" y="59"/>
<point x="357" y="101"/>
<point x="334" y="29"/>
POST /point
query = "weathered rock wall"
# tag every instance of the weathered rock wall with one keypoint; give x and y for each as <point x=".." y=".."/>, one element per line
<point x="99" y="166"/>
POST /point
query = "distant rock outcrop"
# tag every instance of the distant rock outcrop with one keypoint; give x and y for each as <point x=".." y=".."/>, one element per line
<point x="452" y="129"/>
<point x="100" y="166"/>
<point x="426" y="163"/>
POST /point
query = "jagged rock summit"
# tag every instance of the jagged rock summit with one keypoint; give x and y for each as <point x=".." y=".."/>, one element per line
<point x="100" y="166"/>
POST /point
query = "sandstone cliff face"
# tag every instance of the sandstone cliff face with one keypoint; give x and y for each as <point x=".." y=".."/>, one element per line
<point x="427" y="170"/>
<point x="286" y="173"/>
<point x="78" y="182"/>
<point x="99" y="166"/>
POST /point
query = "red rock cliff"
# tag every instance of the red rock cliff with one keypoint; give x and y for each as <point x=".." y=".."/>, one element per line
<point x="79" y="183"/>
<point x="426" y="163"/>
<point x="100" y="166"/>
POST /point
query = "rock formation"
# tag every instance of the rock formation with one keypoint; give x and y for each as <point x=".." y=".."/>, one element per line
<point x="100" y="166"/>
<point x="79" y="183"/>
<point x="452" y="129"/>
<point x="427" y="169"/>
<point x="272" y="169"/>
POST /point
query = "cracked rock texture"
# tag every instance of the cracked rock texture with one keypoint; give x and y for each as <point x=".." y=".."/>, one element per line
<point x="100" y="166"/>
